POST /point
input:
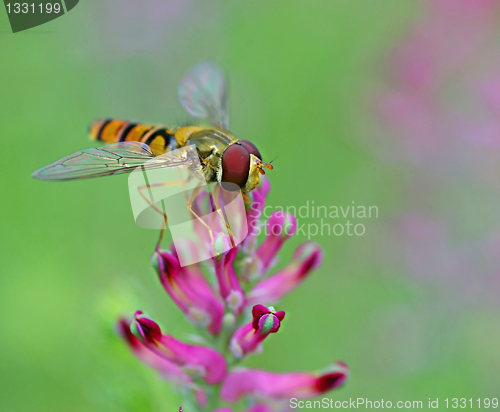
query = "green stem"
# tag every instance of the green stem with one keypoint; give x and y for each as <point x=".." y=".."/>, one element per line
<point x="213" y="398"/>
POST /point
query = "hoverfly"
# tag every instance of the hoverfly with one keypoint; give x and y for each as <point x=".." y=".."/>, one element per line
<point x="223" y="158"/>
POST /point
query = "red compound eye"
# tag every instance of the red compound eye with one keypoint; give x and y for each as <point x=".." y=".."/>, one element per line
<point x="235" y="166"/>
<point x="250" y="147"/>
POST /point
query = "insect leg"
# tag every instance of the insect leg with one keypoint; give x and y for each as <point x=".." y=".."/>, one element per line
<point x="222" y="217"/>
<point x="184" y="184"/>
<point x="161" y="212"/>
<point x="194" y="193"/>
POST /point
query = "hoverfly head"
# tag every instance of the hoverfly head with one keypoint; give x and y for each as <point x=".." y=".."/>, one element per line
<point x="241" y="166"/>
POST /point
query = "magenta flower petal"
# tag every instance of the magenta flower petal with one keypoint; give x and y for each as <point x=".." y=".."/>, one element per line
<point x="189" y="290"/>
<point x="254" y="214"/>
<point x="280" y="227"/>
<point x="247" y="338"/>
<point x="281" y="385"/>
<point x="229" y="285"/>
<point x="264" y="187"/>
<point x="197" y="360"/>
<point x="204" y="207"/>
<point x="306" y="258"/>
<point x="165" y="368"/>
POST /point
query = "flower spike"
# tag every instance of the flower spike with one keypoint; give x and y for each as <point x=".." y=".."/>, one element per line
<point x="217" y="295"/>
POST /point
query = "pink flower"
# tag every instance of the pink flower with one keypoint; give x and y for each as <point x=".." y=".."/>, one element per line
<point x="229" y="285"/>
<point x="306" y="258"/>
<point x="253" y="216"/>
<point x="280" y="227"/>
<point x="168" y="370"/>
<point x="200" y="361"/>
<point x="248" y="338"/>
<point x="263" y="188"/>
<point x="189" y="290"/>
<point x="264" y="384"/>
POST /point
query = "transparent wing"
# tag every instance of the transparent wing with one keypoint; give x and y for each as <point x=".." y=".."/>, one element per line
<point x="108" y="160"/>
<point x="202" y="92"/>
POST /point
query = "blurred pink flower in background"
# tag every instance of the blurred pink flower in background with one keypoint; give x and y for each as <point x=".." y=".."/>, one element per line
<point x="465" y="272"/>
<point x="442" y="104"/>
<point x="435" y="102"/>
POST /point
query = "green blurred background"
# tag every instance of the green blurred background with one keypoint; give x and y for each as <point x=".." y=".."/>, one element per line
<point x="305" y="84"/>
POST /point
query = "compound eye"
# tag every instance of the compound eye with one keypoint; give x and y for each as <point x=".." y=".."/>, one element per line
<point x="235" y="167"/>
<point x="251" y="148"/>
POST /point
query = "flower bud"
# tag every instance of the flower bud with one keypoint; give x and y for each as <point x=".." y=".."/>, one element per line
<point x="248" y="338"/>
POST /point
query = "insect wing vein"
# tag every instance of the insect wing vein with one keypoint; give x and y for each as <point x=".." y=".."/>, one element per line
<point x="112" y="159"/>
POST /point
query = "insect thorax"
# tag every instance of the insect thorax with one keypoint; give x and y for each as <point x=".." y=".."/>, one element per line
<point x="210" y="145"/>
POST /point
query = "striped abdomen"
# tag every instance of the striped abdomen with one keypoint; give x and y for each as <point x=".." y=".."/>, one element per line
<point x="159" y="139"/>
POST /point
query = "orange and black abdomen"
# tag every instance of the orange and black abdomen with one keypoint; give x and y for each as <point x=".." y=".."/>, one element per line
<point x="159" y="139"/>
